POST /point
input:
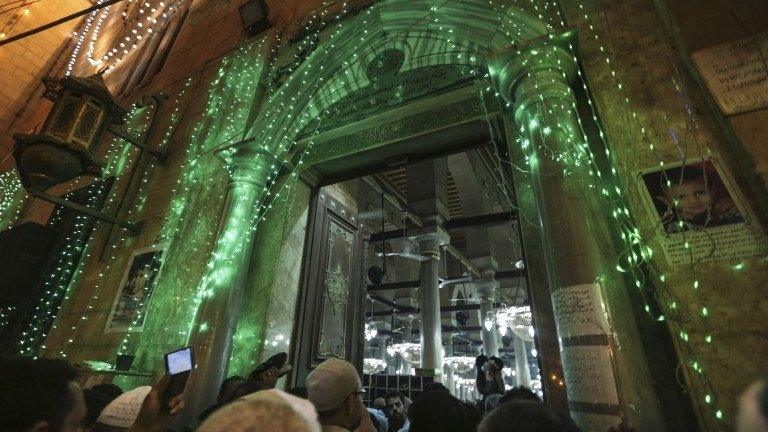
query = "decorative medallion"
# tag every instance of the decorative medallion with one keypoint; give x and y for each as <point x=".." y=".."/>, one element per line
<point x="337" y="231"/>
<point x="336" y="288"/>
<point x="386" y="64"/>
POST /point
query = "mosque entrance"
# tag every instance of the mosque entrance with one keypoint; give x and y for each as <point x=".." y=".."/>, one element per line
<point x="422" y="249"/>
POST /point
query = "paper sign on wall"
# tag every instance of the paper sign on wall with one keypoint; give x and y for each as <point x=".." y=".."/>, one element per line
<point x="589" y="374"/>
<point x="736" y="73"/>
<point x="699" y="214"/>
<point x="579" y="311"/>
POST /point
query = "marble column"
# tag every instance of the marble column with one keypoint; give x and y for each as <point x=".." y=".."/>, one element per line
<point x="576" y="235"/>
<point x="487" y="293"/>
<point x="407" y="329"/>
<point x="429" y="303"/>
<point x="223" y="284"/>
<point x="522" y="370"/>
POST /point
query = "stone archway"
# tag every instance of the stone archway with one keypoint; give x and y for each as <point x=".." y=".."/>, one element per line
<point x="425" y="34"/>
<point x="530" y="66"/>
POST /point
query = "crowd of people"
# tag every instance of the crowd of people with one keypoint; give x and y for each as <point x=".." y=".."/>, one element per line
<point x="42" y="395"/>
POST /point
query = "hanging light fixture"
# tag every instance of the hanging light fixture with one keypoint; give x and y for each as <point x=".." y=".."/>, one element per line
<point x="410" y="351"/>
<point x="461" y="364"/>
<point x="488" y="324"/>
<point x="373" y="365"/>
<point x="370" y="331"/>
<point x="519" y="318"/>
<point x="61" y="150"/>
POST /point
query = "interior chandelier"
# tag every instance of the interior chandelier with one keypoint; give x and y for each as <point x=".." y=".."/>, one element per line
<point x="410" y="351"/>
<point x="460" y="364"/>
<point x="519" y="318"/>
<point x="370" y="331"/>
<point x="373" y="365"/>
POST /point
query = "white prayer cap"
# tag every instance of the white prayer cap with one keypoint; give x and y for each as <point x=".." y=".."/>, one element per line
<point x="123" y="411"/>
<point x="331" y="383"/>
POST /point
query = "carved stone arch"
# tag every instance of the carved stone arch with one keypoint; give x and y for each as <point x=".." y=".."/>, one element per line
<point x="475" y="23"/>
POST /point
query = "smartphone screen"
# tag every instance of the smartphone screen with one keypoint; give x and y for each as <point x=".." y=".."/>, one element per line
<point x="179" y="361"/>
<point x="179" y="365"/>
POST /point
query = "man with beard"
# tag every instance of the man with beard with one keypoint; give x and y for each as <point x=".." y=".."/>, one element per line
<point x="395" y="411"/>
<point x="335" y="389"/>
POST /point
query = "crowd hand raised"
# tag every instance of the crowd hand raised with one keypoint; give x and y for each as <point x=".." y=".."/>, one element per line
<point x="154" y="416"/>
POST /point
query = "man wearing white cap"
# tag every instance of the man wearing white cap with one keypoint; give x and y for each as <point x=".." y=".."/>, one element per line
<point x="335" y="389"/>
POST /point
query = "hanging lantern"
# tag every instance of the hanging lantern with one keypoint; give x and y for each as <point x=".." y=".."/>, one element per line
<point x="62" y="150"/>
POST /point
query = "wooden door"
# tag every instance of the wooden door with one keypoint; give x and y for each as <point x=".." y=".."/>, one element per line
<point x="330" y="308"/>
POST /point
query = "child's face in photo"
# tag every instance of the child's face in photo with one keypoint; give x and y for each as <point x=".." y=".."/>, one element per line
<point x="690" y="198"/>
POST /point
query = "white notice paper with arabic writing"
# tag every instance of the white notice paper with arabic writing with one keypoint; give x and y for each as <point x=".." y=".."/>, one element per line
<point x="579" y="311"/>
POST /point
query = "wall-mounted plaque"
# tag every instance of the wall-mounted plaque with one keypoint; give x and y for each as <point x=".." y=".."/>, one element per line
<point x="700" y="215"/>
<point x="736" y="73"/>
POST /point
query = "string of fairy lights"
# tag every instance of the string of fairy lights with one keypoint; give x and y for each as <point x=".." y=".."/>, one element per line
<point x="11" y="197"/>
<point x="239" y="76"/>
<point x="21" y="9"/>
<point x="134" y="214"/>
<point x="244" y="68"/>
<point x="66" y="265"/>
<point x="637" y="255"/>
<point x="142" y="20"/>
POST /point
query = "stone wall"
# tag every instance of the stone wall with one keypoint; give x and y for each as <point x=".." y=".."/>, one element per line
<point x="653" y="99"/>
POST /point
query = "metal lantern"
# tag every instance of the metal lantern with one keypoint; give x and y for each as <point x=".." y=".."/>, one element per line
<point x="61" y="151"/>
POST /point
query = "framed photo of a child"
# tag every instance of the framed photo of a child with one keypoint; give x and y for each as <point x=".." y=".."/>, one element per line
<point x="700" y="214"/>
<point x="135" y="290"/>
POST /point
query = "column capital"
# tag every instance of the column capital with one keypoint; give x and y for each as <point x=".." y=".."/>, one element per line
<point x="538" y="69"/>
<point x="247" y="163"/>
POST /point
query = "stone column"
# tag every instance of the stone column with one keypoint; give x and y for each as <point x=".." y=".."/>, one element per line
<point x="575" y="235"/>
<point x="487" y="293"/>
<point x="407" y="328"/>
<point x="223" y="283"/>
<point x="522" y="370"/>
<point x="429" y="303"/>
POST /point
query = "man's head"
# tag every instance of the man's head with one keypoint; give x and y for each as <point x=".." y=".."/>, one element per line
<point x="395" y="409"/>
<point x="525" y="417"/>
<point x="494" y="364"/>
<point x="687" y="192"/>
<point x="228" y="387"/>
<point x="335" y="389"/>
<point x="267" y="411"/>
<point x="42" y="394"/>
<point x="437" y="411"/>
<point x="520" y="393"/>
<point x="752" y="413"/>
<point x="269" y="371"/>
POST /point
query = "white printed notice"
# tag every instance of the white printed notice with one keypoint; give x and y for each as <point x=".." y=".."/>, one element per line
<point x="589" y="374"/>
<point x="736" y="73"/>
<point x="579" y="311"/>
<point x="699" y="214"/>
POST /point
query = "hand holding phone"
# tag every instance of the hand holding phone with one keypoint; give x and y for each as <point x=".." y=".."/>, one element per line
<point x="178" y="365"/>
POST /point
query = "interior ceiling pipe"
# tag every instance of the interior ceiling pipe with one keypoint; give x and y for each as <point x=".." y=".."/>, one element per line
<point x="443" y="309"/>
<point x="479" y="221"/>
<point x="393" y="286"/>
<point x="464" y="260"/>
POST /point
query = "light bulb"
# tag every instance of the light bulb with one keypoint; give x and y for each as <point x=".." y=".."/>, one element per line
<point x="534" y="352"/>
<point x="519" y="264"/>
<point x="488" y="324"/>
<point x="503" y="330"/>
